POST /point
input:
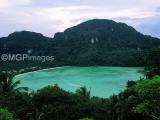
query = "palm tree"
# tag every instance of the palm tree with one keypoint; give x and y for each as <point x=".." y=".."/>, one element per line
<point x="83" y="92"/>
<point x="7" y="84"/>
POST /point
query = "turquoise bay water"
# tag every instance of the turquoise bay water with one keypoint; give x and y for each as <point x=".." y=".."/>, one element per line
<point x="102" y="81"/>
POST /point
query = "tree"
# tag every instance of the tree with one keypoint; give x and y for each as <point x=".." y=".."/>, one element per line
<point x="87" y="119"/>
<point x="5" y="114"/>
<point x="152" y="62"/>
<point x="130" y="83"/>
<point x="149" y="94"/>
<point x="7" y="84"/>
<point x="83" y="92"/>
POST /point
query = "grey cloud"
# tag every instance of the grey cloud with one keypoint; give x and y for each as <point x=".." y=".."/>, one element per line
<point x="147" y="26"/>
<point x="56" y="3"/>
<point x="150" y="26"/>
<point x="95" y="3"/>
<point x="23" y="17"/>
<point x="158" y="9"/>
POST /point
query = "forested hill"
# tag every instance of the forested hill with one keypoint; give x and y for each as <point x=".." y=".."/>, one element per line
<point x="102" y="42"/>
<point x="94" y="42"/>
<point x="108" y="34"/>
<point x="21" y="42"/>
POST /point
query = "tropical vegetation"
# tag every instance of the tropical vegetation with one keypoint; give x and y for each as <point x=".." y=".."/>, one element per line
<point x="97" y="42"/>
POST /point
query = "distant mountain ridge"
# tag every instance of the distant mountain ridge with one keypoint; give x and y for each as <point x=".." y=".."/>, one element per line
<point x="102" y="42"/>
<point x="20" y="42"/>
<point x="119" y="34"/>
<point x="94" y="42"/>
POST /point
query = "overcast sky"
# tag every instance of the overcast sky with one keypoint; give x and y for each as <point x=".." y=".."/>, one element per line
<point x="51" y="16"/>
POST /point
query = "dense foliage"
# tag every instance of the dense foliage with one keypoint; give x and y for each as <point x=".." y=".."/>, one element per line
<point x="92" y="43"/>
<point x="21" y="42"/>
<point x="152" y="61"/>
<point x="102" y="42"/>
<point x="5" y="114"/>
<point x="140" y="101"/>
<point x="95" y="42"/>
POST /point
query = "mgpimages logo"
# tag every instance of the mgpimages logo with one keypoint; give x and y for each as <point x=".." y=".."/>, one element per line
<point x="23" y="57"/>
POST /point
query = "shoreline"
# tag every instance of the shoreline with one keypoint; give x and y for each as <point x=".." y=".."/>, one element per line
<point x="72" y="66"/>
<point x="40" y="70"/>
